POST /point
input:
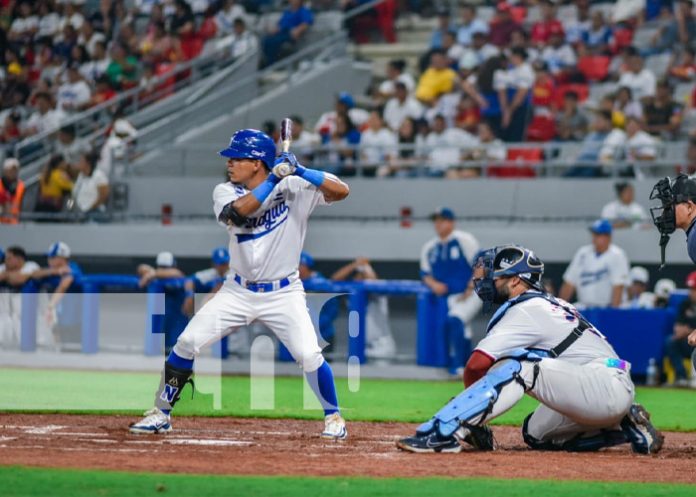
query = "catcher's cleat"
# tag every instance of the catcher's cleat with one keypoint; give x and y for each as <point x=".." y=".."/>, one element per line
<point x="334" y="427"/>
<point x="431" y="442"/>
<point x="479" y="437"/>
<point x="644" y="437"/>
<point x="154" y="422"/>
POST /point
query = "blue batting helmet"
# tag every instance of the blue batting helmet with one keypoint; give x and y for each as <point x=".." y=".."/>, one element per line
<point x="251" y="144"/>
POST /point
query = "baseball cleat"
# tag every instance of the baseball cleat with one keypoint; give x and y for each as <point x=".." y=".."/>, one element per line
<point x="479" y="437"/>
<point x="334" y="427"/>
<point x="154" y="422"/>
<point x="430" y="443"/>
<point x="644" y="437"/>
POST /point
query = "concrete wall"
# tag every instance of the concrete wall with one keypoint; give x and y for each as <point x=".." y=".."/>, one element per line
<point x="376" y="198"/>
<point x="334" y="240"/>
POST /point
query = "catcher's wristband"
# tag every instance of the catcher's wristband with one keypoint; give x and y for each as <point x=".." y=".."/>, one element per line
<point x="262" y="191"/>
<point x="310" y="175"/>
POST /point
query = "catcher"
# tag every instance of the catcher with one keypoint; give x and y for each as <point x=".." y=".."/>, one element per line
<point x="538" y="345"/>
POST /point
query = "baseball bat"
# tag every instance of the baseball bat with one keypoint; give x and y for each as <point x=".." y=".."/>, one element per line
<point x="286" y="134"/>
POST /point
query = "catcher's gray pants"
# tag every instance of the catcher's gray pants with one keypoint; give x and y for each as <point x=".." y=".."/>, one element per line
<point x="575" y="399"/>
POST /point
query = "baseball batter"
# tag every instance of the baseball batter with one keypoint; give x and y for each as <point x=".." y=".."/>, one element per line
<point x="538" y="345"/>
<point x="264" y="207"/>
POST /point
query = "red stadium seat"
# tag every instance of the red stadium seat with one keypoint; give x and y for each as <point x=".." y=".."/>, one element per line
<point x="594" y="67"/>
<point x="530" y="156"/>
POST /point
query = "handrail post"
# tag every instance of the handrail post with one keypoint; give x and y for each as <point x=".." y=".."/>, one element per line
<point x="357" y="310"/>
<point x="154" y="319"/>
<point x="29" y="314"/>
<point x="90" y="318"/>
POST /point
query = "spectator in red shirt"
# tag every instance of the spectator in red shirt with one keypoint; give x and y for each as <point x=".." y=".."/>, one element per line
<point x="543" y="90"/>
<point x="542" y="30"/>
<point x="502" y="25"/>
<point x="104" y="91"/>
<point x="468" y="114"/>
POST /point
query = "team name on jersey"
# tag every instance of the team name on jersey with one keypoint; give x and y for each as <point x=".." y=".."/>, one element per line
<point x="268" y="221"/>
<point x="590" y="277"/>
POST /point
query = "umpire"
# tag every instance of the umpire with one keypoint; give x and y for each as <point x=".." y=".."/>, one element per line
<point x="677" y="211"/>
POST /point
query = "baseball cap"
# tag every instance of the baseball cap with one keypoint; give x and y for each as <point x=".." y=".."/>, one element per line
<point x="346" y="99"/>
<point x="691" y="280"/>
<point x="503" y="6"/>
<point x="59" y="249"/>
<point x="639" y="274"/>
<point x="10" y="163"/>
<point x="601" y="227"/>
<point x="306" y="260"/>
<point x="165" y="259"/>
<point x="443" y="213"/>
<point x="684" y="187"/>
<point x="220" y="256"/>
<point x="664" y="287"/>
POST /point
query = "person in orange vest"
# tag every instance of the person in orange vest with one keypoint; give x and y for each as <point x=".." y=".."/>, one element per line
<point x="11" y="192"/>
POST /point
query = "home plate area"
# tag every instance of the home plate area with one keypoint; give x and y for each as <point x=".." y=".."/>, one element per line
<point x="293" y="447"/>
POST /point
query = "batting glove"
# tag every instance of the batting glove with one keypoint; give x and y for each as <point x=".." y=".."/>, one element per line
<point x="285" y="165"/>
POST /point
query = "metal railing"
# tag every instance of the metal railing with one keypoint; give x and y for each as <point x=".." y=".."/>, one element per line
<point x="554" y="159"/>
<point x="97" y="119"/>
<point x="246" y="88"/>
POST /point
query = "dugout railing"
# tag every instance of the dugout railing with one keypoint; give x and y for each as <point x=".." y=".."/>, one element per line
<point x="638" y="335"/>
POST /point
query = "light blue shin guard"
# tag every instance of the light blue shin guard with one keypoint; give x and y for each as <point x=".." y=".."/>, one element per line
<point x="479" y="398"/>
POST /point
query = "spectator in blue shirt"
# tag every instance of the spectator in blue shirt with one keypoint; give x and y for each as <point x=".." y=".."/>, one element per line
<point x="588" y="159"/>
<point x="208" y="280"/>
<point x="293" y="24"/>
<point x="62" y="277"/>
<point x="446" y="266"/>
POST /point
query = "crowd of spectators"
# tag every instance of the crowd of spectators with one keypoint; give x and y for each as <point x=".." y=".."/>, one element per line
<point x="592" y="77"/>
<point x="61" y="57"/>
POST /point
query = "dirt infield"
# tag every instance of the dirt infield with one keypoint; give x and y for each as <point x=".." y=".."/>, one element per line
<point x="292" y="447"/>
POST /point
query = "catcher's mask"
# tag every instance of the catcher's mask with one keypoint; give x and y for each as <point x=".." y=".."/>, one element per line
<point x="670" y="193"/>
<point x="505" y="261"/>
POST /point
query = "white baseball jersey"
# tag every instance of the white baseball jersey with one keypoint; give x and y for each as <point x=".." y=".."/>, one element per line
<point x="267" y="248"/>
<point x="539" y="324"/>
<point x="594" y="275"/>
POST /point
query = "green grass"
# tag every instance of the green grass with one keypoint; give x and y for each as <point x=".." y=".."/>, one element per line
<point x="26" y="482"/>
<point x="376" y="400"/>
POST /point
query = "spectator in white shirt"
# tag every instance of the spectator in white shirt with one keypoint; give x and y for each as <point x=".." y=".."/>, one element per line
<point x="470" y="25"/>
<point x="516" y="109"/>
<point x="480" y="50"/>
<point x="49" y="21"/>
<point x="230" y="11"/>
<point x="303" y="142"/>
<point x="89" y="37"/>
<point x="598" y="272"/>
<point x="24" y="27"/>
<point x="640" y="145"/>
<point x="638" y="78"/>
<point x="74" y="94"/>
<point x="96" y="68"/>
<point x="91" y="190"/>
<point x="624" y="212"/>
<point x="72" y="14"/>
<point x="396" y="72"/>
<point x="487" y="148"/>
<point x="377" y="144"/>
<point x="558" y="55"/>
<point x="46" y="118"/>
<point x="638" y="296"/>
<point x="446" y="146"/>
<point x="401" y="106"/>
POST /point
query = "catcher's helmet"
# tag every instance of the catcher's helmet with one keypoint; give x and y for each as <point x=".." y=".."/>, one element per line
<point x="251" y="144"/>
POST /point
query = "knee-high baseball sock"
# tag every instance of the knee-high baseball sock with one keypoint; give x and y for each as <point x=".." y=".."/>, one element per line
<point x="322" y="383"/>
<point x="178" y="362"/>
